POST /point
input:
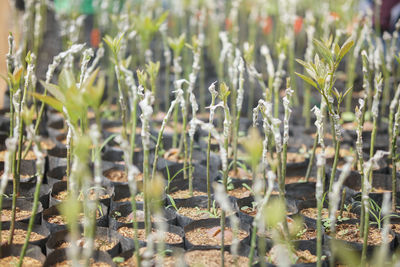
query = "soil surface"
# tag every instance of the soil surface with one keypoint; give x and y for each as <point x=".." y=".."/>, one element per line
<point x="212" y="258"/>
<point x="19" y="236"/>
<point x="168" y="261"/>
<point x="62" y="195"/>
<point x="29" y="156"/>
<point x="117" y="175"/>
<point x="313" y="213"/>
<point x="183" y="194"/>
<point x="212" y="236"/>
<point x="130" y="217"/>
<point x="197" y="213"/>
<point x="240" y="192"/>
<point x="102" y="244"/>
<point x="174" y="155"/>
<point x="19" y="214"/>
<point x="297" y="257"/>
<point x="169" y="238"/>
<point x="351" y="233"/>
<point x="68" y="263"/>
<point x="12" y="261"/>
<point x="60" y="219"/>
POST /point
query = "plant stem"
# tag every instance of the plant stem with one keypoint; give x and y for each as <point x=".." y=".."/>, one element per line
<point x="312" y="158"/>
<point x="32" y="219"/>
<point x="208" y="172"/>
<point x="336" y="142"/>
<point x="146" y="178"/>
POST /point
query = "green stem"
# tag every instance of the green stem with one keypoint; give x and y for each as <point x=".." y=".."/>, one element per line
<point x="208" y="172"/>
<point x="191" y="166"/>
<point x="310" y="163"/>
<point x="307" y="104"/>
<point x="133" y="128"/>
<point x="147" y="221"/>
<point x="235" y="140"/>
<point x="31" y="220"/>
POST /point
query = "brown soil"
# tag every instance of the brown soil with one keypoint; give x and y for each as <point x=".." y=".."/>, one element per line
<point x="170" y="238"/>
<point x="102" y="244"/>
<point x="309" y="234"/>
<point x="68" y="263"/>
<point x="197" y="213"/>
<point x="313" y="213"/>
<point x="368" y="126"/>
<point x="305" y="256"/>
<point x="30" y="156"/>
<point x="212" y="258"/>
<point x="212" y="236"/>
<point x="330" y="152"/>
<point x="19" y="236"/>
<point x="240" y="192"/>
<point x="118" y="129"/>
<point x="294" y="157"/>
<point x="168" y="261"/>
<point x="249" y="211"/>
<point x="395" y="228"/>
<point x="327" y="135"/>
<point x="61" y="220"/>
<point x="12" y="261"/>
<point x="62" y="195"/>
<point x="139" y="217"/>
<point x="174" y="155"/>
<point x="351" y="233"/>
<point x="298" y="179"/>
<point x="19" y="214"/>
<point x="299" y="256"/>
<point x="182" y="194"/>
<point x="240" y="174"/>
<point x="22" y="176"/>
<point x="116" y="175"/>
<point x="45" y="144"/>
<point x="139" y="197"/>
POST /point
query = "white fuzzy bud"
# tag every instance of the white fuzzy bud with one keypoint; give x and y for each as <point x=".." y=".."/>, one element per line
<point x="147" y="111"/>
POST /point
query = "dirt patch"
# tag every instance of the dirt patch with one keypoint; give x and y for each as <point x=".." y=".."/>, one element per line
<point x="182" y="194"/>
<point x="102" y="244"/>
<point x="19" y="214"/>
<point x="240" y="192"/>
<point x="212" y="258"/>
<point x="19" y="236"/>
<point x="169" y="238"/>
<point x="212" y="236"/>
<point x="199" y="213"/>
<point x="68" y="263"/>
<point x="351" y="233"/>
<point x="120" y="176"/>
<point x="12" y="261"/>
<point x="313" y="213"/>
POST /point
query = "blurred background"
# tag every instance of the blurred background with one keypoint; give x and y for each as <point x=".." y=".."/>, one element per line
<point x="8" y="19"/>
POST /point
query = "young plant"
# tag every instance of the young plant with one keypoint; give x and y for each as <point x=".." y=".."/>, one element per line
<point x="177" y="46"/>
<point x="321" y="75"/>
<point x="40" y="168"/>
<point x="178" y="101"/>
<point x="212" y="108"/>
<point x="334" y="198"/>
<point x="147" y="111"/>
<point x="19" y="104"/>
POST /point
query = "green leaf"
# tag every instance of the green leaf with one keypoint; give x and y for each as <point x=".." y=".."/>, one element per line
<point x="323" y="51"/>
<point x="51" y="101"/>
<point x="345" y="48"/>
<point x="66" y="79"/>
<point x="307" y="80"/>
<point x="54" y="90"/>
